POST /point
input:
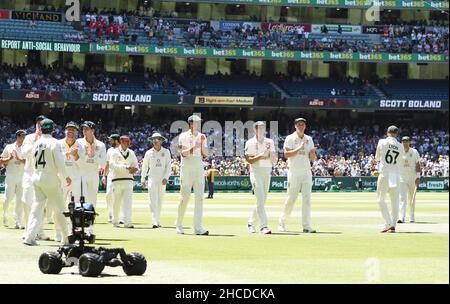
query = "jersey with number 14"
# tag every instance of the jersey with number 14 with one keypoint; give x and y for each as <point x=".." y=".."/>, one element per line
<point x="389" y="154"/>
<point x="47" y="157"/>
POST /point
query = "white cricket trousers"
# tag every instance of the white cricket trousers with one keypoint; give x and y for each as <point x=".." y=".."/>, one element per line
<point x="156" y="191"/>
<point x="407" y="186"/>
<point x="13" y="190"/>
<point x="47" y="188"/>
<point x="123" y="200"/>
<point x="28" y="198"/>
<point x="297" y="183"/>
<point x="109" y="195"/>
<point x="191" y="178"/>
<point x="92" y="181"/>
<point x="260" y="179"/>
<point x="384" y="188"/>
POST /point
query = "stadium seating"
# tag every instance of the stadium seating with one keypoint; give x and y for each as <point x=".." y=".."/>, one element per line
<point x="416" y="89"/>
<point x="321" y="88"/>
<point x="235" y="86"/>
<point x="45" y="30"/>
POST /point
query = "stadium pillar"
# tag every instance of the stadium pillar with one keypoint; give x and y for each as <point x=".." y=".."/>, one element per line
<point x="321" y="69"/>
<point x="272" y="12"/>
<point x="438" y="72"/>
<point x="412" y="15"/>
<point x="213" y="65"/>
<point x="318" y="15"/>
<point x="204" y="11"/>
<point x="281" y="67"/>
<point x="14" y="56"/>
<point x="414" y="71"/>
<point x="21" y="4"/>
<point x="353" y="69"/>
<point x="217" y="11"/>
<point x="167" y="6"/>
<point x="383" y="70"/>
<point x="254" y="65"/>
<point x="180" y="64"/>
<point x="355" y="16"/>
<point x="79" y="60"/>
<point x="47" y="58"/>
<point x="152" y="63"/>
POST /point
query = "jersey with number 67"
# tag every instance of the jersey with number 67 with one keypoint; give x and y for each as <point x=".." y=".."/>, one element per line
<point x="48" y="158"/>
<point x="389" y="154"/>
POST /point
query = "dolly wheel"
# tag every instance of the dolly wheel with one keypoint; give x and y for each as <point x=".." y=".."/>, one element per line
<point x="135" y="265"/>
<point x="50" y="263"/>
<point x="90" y="265"/>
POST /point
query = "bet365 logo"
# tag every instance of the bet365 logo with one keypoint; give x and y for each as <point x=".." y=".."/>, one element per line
<point x="73" y="10"/>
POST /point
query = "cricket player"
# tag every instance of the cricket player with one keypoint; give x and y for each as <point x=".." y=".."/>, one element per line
<point x="14" y="161"/>
<point x="389" y="154"/>
<point x="193" y="149"/>
<point x="95" y="152"/>
<point x="157" y="167"/>
<point x="74" y="156"/>
<point x="260" y="154"/>
<point x="300" y="151"/>
<point x="114" y="141"/>
<point x="49" y="164"/>
<point x="409" y="180"/>
<point x="27" y="183"/>
<point x="123" y="165"/>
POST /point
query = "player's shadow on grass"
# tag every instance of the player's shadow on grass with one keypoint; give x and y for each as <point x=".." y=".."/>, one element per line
<point x="318" y="232"/>
<point x="414" y="232"/>
<point x="113" y="240"/>
<point x="211" y="235"/>
<point x="423" y="223"/>
<point x="286" y="233"/>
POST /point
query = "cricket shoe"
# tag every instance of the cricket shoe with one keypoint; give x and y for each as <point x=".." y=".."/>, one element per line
<point x="387" y="229"/>
<point x="129" y="226"/>
<point x="180" y="230"/>
<point x="31" y="243"/>
<point x="309" y="230"/>
<point x="251" y="228"/>
<point x="42" y="237"/>
<point x="5" y="221"/>
<point x="282" y="227"/>
<point x="202" y="232"/>
<point x="18" y="226"/>
<point x="155" y="226"/>
<point x="266" y="230"/>
<point x="412" y="220"/>
<point x="58" y="237"/>
<point x="401" y="221"/>
<point x="110" y="218"/>
<point x="391" y="230"/>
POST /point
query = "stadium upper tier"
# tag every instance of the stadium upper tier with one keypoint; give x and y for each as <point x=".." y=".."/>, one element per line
<point x="326" y="88"/>
<point x="112" y="30"/>
<point x="416" y="89"/>
<point x="44" y="30"/>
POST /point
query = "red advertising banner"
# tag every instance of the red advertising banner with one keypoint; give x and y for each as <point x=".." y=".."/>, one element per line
<point x="290" y="27"/>
<point x="329" y="103"/>
<point x="4" y="14"/>
<point x="40" y="96"/>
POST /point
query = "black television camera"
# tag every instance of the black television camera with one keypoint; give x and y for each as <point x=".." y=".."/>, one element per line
<point x="90" y="260"/>
<point x="82" y="215"/>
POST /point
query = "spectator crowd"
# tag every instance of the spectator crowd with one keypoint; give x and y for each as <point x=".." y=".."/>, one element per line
<point x="340" y="151"/>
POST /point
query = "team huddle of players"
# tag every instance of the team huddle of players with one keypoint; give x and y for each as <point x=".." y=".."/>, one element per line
<point x="43" y="173"/>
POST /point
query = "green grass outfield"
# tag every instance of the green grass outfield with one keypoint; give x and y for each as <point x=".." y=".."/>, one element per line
<point x="347" y="249"/>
